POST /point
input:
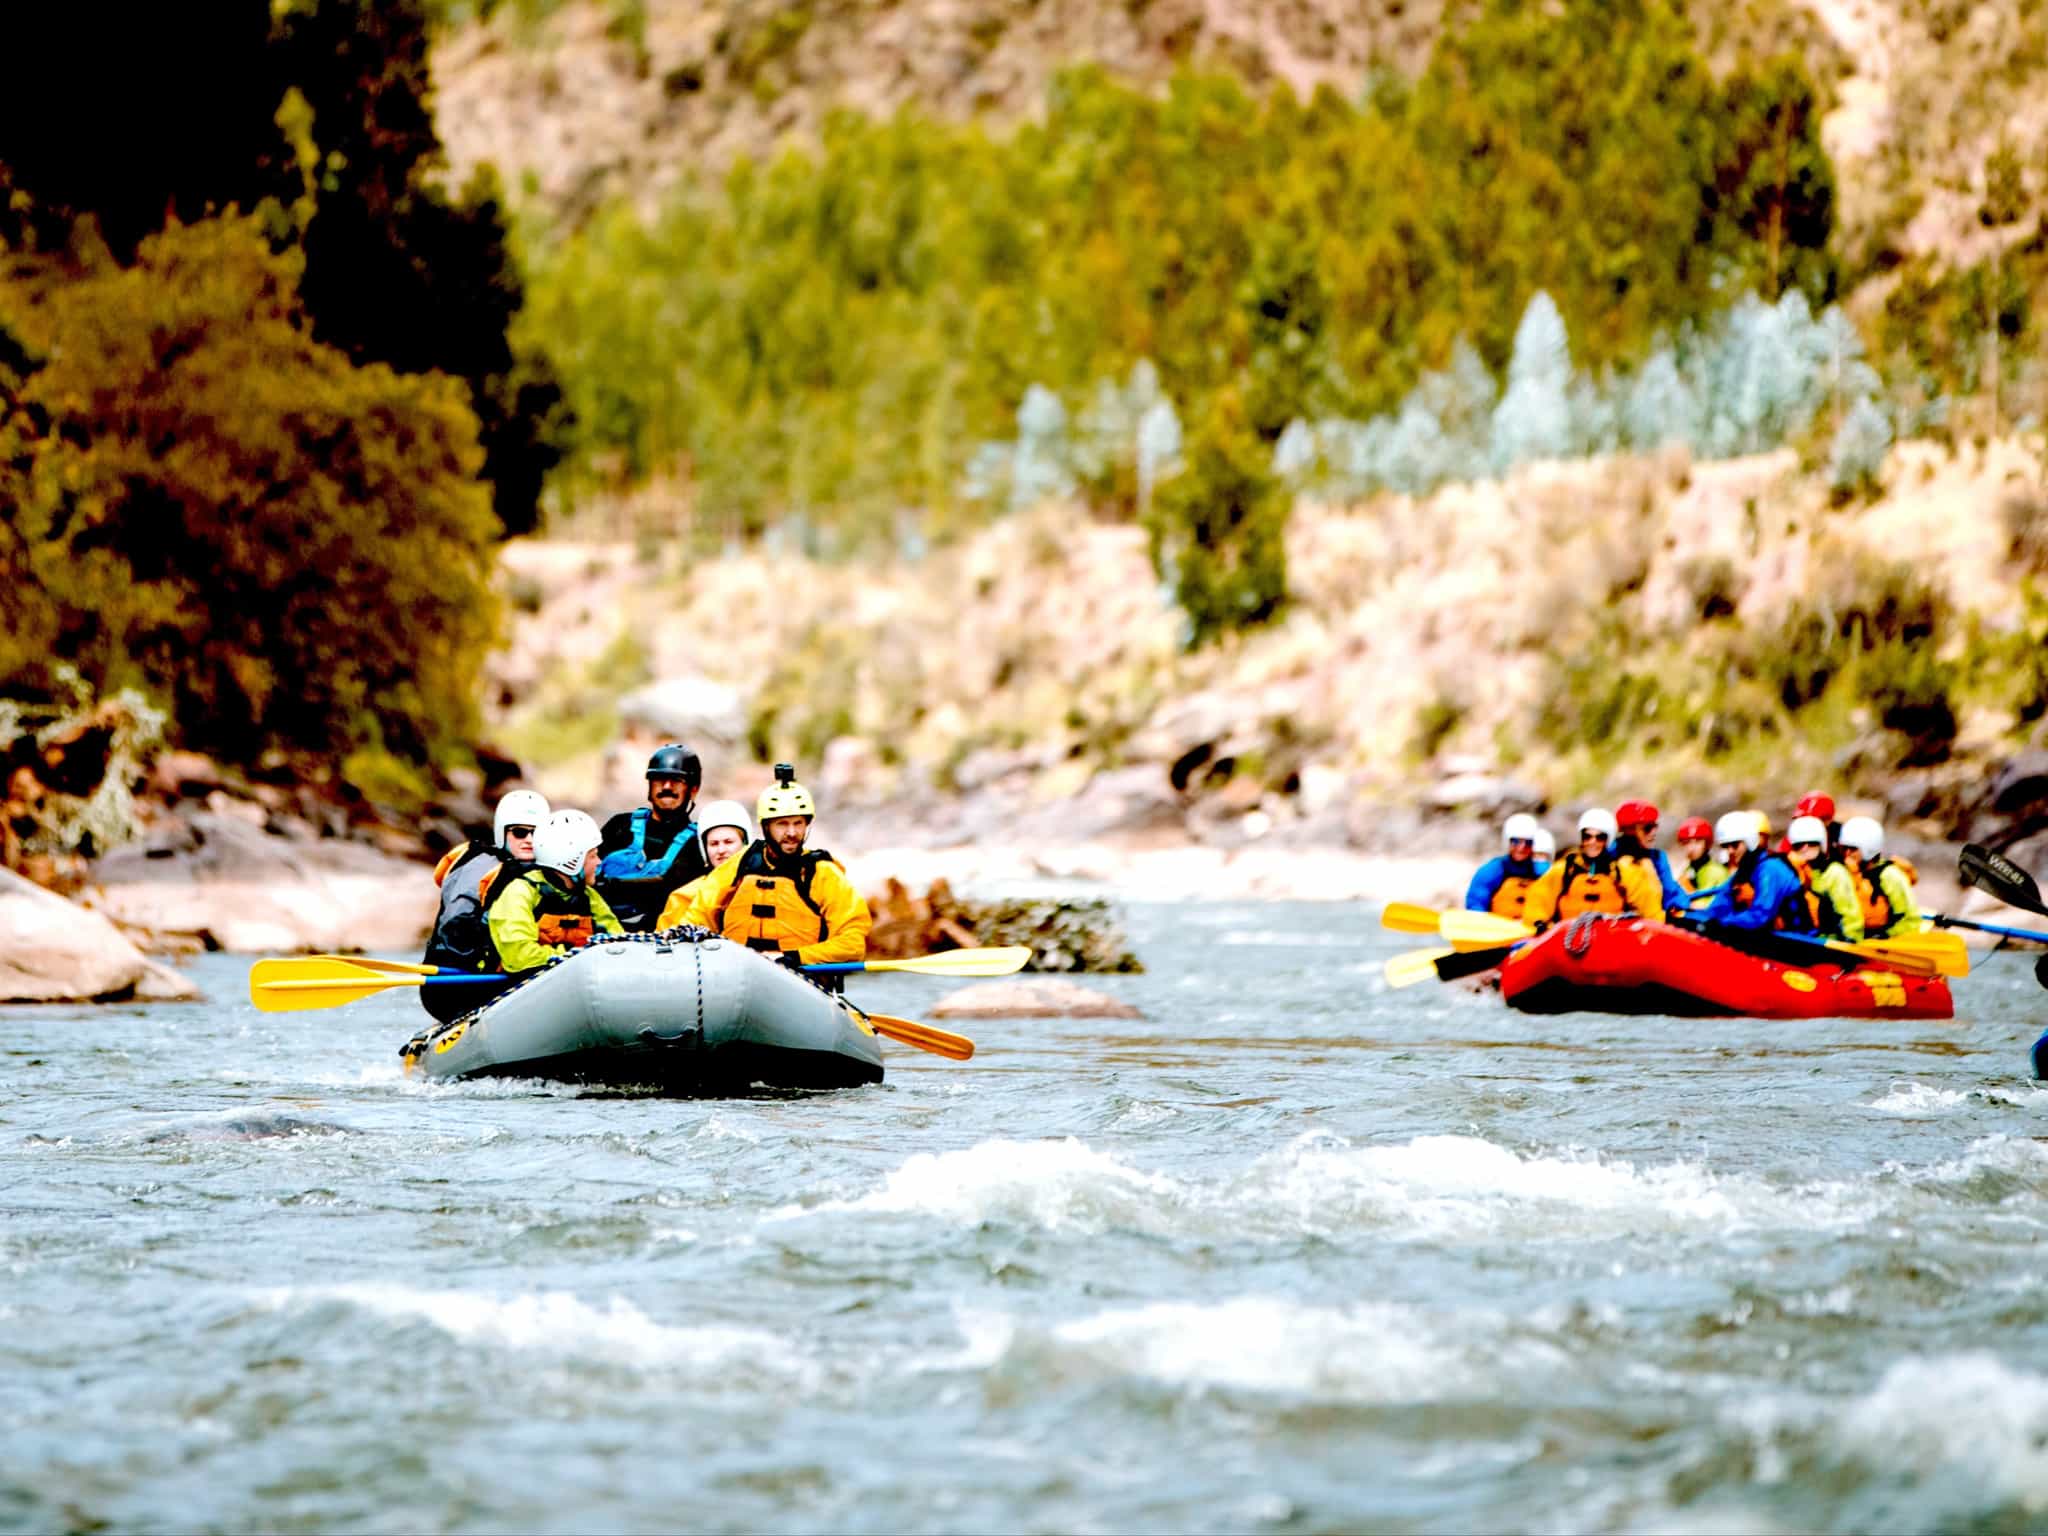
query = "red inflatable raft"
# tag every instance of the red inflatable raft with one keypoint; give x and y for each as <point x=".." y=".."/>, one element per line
<point x="1626" y="965"/>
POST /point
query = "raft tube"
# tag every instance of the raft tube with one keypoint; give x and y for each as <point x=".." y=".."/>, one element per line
<point x="1626" y="965"/>
<point x="680" y="1015"/>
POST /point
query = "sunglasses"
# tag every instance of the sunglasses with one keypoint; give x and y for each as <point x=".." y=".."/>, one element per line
<point x="519" y="831"/>
<point x="1601" y="835"/>
<point x="1521" y="842"/>
<point x="1796" y="847"/>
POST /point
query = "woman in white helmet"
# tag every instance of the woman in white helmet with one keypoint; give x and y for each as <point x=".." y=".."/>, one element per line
<point x="467" y="874"/>
<point x="1868" y="896"/>
<point x="1589" y="878"/>
<point x="727" y="830"/>
<point x="1501" y="885"/>
<point x="551" y="907"/>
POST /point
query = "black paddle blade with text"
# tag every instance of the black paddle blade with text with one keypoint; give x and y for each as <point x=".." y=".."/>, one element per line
<point x="1993" y="872"/>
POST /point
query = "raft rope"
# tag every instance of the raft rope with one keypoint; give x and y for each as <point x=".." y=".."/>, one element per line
<point x="1578" y="934"/>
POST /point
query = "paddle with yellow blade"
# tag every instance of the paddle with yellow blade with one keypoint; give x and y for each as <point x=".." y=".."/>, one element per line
<point x="1006" y="960"/>
<point x="325" y="981"/>
<point x="1407" y="917"/>
<point x="1416" y="965"/>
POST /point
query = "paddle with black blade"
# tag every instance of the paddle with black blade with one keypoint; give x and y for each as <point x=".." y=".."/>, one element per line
<point x="1995" y="873"/>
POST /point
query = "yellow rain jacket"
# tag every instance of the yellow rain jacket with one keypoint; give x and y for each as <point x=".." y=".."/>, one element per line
<point x="1571" y="887"/>
<point x="534" y="918"/>
<point x="807" y="905"/>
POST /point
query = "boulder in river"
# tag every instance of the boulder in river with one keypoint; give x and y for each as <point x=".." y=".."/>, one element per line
<point x="245" y="889"/>
<point x="1035" y="998"/>
<point x="53" y="951"/>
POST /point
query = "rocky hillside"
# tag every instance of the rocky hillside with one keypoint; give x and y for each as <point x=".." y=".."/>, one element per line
<point x="592" y="99"/>
<point x="1570" y="634"/>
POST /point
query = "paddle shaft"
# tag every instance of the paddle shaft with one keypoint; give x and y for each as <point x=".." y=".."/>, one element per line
<point x="2032" y="934"/>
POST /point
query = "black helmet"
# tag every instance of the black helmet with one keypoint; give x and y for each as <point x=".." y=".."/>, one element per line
<point x="676" y="762"/>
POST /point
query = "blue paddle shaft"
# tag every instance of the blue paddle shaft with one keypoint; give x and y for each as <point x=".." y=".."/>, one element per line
<point x="2011" y="933"/>
<point x="837" y="968"/>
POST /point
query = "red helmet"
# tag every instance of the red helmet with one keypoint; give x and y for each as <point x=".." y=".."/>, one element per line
<point x="1635" y="813"/>
<point x="1695" y="827"/>
<point x="1814" y="803"/>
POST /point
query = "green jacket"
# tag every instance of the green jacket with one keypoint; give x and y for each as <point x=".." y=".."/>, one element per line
<point x="1898" y="890"/>
<point x="532" y="919"/>
<point x="1836" y="888"/>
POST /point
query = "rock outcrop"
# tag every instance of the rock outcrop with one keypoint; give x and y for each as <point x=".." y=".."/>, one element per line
<point x="220" y="882"/>
<point x="1032" y="999"/>
<point x="53" y="951"/>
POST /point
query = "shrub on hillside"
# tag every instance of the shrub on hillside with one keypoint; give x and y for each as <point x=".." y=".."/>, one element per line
<point x="199" y="499"/>
<point x="1218" y="528"/>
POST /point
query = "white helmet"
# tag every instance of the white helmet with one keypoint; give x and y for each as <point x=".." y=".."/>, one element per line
<point x="1807" y="829"/>
<point x="1864" y="835"/>
<point x="521" y="808"/>
<point x="1738" y="827"/>
<point x="1597" y="820"/>
<point x="725" y="813"/>
<point x="1546" y="845"/>
<point x="1520" y="827"/>
<point x="562" y="840"/>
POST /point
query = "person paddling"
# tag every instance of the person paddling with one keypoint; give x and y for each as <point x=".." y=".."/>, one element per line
<point x="1590" y="878"/>
<point x="1501" y="885"/>
<point x="1699" y="870"/>
<point x="651" y="852"/>
<point x="554" y="907"/>
<point x="466" y="874"/>
<point x="789" y="901"/>
<point x="1766" y="890"/>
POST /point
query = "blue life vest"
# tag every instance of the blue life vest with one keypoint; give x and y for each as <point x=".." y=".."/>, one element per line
<point x="631" y="862"/>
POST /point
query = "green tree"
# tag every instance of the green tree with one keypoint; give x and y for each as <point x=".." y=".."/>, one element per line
<point x="198" y="498"/>
<point x="1219" y="528"/>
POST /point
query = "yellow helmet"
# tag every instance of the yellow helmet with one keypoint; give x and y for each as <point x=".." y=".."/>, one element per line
<point x="785" y="797"/>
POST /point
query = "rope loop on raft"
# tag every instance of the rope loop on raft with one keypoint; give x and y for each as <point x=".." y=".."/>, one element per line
<point x="1578" y="934"/>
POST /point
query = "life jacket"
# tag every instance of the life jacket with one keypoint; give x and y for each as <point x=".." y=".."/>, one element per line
<point x="1877" y="907"/>
<point x="1689" y="876"/>
<point x="1512" y="896"/>
<point x="632" y="861"/>
<point x="1587" y="889"/>
<point x="769" y="906"/>
<point x="635" y="883"/>
<point x="560" y="916"/>
<point x="467" y="874"/>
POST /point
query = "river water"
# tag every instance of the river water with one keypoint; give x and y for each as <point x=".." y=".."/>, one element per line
<point x="1294" y="1253"/>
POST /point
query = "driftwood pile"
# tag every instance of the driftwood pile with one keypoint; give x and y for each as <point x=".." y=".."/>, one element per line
<point x="1064" y="935"/>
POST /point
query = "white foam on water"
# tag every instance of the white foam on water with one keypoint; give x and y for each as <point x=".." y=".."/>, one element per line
<point x="1465" y="1186"/>
<point x="1962" y="1410"/>
<point x="557" y="1323"/>
<point x="717" y="1128"/>
<point x="1369" y="1353"/>
<point x="1049" y="1184"/>
<point x="2021" y="1156"/>
<point x="1918" y="1101"/>
<point x="1459" y="1187"/>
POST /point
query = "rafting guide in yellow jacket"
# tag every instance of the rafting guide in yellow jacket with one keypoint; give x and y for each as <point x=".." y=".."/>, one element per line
<point x="780" y="897"/>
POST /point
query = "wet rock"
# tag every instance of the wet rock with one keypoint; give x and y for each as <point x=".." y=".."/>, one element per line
<point x="1032" y="999"/>
<point x="166" y="984"/>
<point x="241" y="888"/>
<point x="52" y="950"/>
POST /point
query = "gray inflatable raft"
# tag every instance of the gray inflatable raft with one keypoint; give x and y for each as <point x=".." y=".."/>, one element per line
<point x="683" y="1015"/>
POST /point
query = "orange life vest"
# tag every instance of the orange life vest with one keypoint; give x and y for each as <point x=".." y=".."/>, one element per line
<point x="573" y="929"/>
<point x="1512" y="896"/>
<point x="1586" y="891"/>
